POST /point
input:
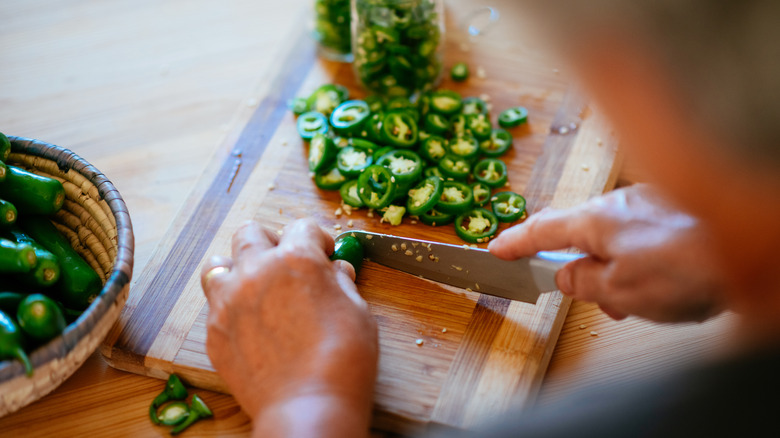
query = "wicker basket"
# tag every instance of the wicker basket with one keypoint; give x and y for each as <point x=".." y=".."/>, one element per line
<point x="96" y="221"/>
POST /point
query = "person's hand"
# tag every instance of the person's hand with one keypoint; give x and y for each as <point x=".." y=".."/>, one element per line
<point x="644" y="258"/>
<point x="289" y="334"/>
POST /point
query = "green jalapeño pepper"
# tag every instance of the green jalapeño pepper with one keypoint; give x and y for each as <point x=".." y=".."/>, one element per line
<point x="376" y="187"/>
<point x="352" y="160"/>
<point x="326" y="98"/>
<point x="5" y="147"/>
<point x="491" y="171"/>
<point x="399" y="129"/>
<point x="434" y="148"/>
<point x="459" y="72"/>
<point x="310" y="124"/>
<point x="458" y="125"/>
<point x="8" y="213"/>
<point x="331" y="28"/>
<point x="329" y="179"/>
<point x="453" y="166"/>
<point x="12" y="342"/>
<point x="174" y="413"/>
<point x="298" y="105"/>
<point x="476" y="226"/>
<point x="16" y="257"/>
<point x="508" y="206"/>
<point x="479" y="125"/>
<point x="436" y="124"/>
<point x="174" y="390"/>
<point x="424" y="196"/>
<point x="321" y="152"/>
<point x="513" y="117"/>
<point x="348" y="118"/>
<point x="405" y="166"/>
<point x="455" y="198"/>
<point x="446" y="102"/>
<point x="198" y="410"/>
<point x="433" y="171"/>
<point x="375" y="103"/>
<point x="436" y="218"/>
<point x="373" y="127"/>
<point x="481" y="193"/>
<point x="499" y="143"/>
<point x="474" y="105"/>
<point x="349" y="249"/>
<point x="40" y="317"/>
<point x="349" y="194"/>
<point x="464" y="146"/>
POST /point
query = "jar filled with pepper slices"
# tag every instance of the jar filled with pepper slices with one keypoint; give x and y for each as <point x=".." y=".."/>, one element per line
<point x="397" y="45"/>
<point x="332" y="29"/>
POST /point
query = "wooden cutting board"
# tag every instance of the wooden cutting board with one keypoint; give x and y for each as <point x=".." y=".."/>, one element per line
<point x="480" y="353"/>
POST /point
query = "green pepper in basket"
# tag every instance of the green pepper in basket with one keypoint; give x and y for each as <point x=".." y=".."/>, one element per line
<point x="31" y="193"/>
<point x="16" y="257"/>
<point x="174" y="390"/>
<point x="12" y="342"/>
<point x="47" y="269"/>
<point x="40" y="317"/>
<point x="5" y="147"/>
<point x="8" y="213"/>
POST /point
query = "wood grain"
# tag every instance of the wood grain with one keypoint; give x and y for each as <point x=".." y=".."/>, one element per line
<point x="455" y="381"/>
<point x="148" y="91"/>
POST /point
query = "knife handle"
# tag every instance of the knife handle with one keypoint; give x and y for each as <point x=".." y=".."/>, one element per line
<point x="545" y="264"/>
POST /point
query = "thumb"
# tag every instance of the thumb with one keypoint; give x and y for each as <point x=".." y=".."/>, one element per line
<point x="583" y="279"/>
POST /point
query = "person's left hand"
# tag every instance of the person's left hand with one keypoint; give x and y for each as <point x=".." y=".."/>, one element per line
<point x="287" y="330"/>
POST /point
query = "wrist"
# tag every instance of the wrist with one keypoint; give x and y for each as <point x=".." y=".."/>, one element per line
<point x="314" y="415"/>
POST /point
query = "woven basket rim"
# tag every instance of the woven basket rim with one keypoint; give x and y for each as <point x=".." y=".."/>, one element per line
<point x="121" y="272"/>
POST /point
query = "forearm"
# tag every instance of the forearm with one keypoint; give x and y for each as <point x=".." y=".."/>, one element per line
<point x="318" y="416"/>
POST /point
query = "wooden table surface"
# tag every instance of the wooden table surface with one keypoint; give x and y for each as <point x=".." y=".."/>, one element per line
<point x="145" y="90"/>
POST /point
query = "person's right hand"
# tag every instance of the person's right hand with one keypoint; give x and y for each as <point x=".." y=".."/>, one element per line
<point x="644" y="258"/>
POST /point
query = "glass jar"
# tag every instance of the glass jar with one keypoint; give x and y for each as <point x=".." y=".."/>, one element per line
<point x="397" y="45"/>
<point x="332" y="29"/>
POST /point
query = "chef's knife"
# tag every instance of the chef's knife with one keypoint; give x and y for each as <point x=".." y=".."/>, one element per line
<point x="466" y="267"/>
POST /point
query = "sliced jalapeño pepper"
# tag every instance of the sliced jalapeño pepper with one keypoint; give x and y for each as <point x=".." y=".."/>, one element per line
<point x="433" y="171"/>
<point x="393" y="215"/>
<point x="376" y="187"/>
<point x="405" y="166"/>
<point x="459" y="72"/>
<point x="174" y="390"/>
<point x="198" y="410"/>
<point x="479" y="125"/>
<point x="348" y="118"/>
<point x="436" y="218"/>
<point x="351" y="160"/>
<point x="513" y="117"/>
<point x="326" y="98"/>
<point x="456" y="197"/>
<point x="310" y="124"/>
<point x="349" y="194"/>
<point x="298" y="105"/>
<point x="436" y="124"/>
<point x="321" y="152"/>
<point x="508" y="206"/>
<point x="399" y="129"/>
<point x="453" y="166"/>
<point x="464" y="146"/>
<point x="381" y="151"/>
<point x="476" y="226"/>
<point x="434" y="148"/>
<point x="499" y="143"/>
<point x="491" y="171"/>
<point x="373" y="127"/>
<point x="474" y="105"/>
<point x="329" y="179"/>
<point x="174" y="413"/>
<point x="424" y="196"/>
<point x="458" y="125"/>
<point x="375" y="103"/>
<point x="481" y="193"/>
<point x="446" y="102"/>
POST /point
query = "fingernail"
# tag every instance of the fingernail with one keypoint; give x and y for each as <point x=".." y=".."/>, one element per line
<point x="563" y="279"/>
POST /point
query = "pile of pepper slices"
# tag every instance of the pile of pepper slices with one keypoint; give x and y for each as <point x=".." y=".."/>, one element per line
<point x="435" y="158"/>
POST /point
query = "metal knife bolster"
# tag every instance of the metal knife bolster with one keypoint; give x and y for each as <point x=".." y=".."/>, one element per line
<point x="463" y="266"/>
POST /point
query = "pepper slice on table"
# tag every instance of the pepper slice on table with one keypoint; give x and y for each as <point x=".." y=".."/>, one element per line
<point x="513" y="117"/>
<point x="436" y="124"/>
<point x="479" y="125"/>
<point x="434" y="148"/>
<point x="491" y="171"/>
<point x="476" y="226"/>
<point x="446" y="102"/>
<point x="399" y="129"/>
<point x="464" y="146"/>
<point x="458" y="125"/>
<point x="329" y="179"/>
<point x="351" y="160"/>
<point x="405" y="165"/>
<point x="326" y="98"/>
<point x="348" y="118"/>
<point x="298" y="105"/>
<point x="481" y="193"/>
<point x="349" y="194"/>
<point x="174" y="390"/>
<point x="322" y="150"/>
<point x="474" y="105"/>
<point x="459" y="72"/>
<point x="198" y="410"/>
<point x="454" y="166"/>
<point x="456" y="197"/>
<point x="436" y="218"/>
<point x="310" y="124"/>
<point x="499" y="143"/>
<point x="424" y="196"/>
<point x="376" y="187"/>
<point x="174" y="413"/>
<point x="508" y="206"/>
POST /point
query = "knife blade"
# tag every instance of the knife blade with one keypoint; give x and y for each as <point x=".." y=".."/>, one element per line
<point x="466" y="267"/>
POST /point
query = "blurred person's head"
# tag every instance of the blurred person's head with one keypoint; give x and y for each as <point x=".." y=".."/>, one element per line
<point x="692" y="88"/>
